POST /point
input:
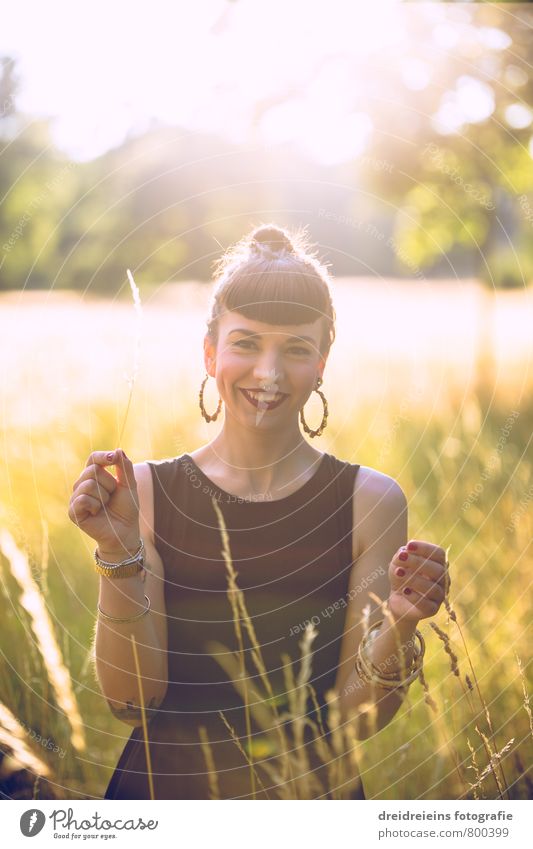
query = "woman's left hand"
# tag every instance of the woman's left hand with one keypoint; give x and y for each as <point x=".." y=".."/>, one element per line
<point x="424" y="577"/>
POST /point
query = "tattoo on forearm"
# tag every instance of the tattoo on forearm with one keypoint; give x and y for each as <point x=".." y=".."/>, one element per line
<point x="133" y="711"/>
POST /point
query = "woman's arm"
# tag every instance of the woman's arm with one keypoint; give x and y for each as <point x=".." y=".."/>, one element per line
<point x="410" y="578"/>
<point x="113" y="649"/>
<point x="380" y="513"/>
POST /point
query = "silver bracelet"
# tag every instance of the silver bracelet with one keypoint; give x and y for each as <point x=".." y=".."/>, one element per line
<point x="131" y="559"/>
<point x="128" y="618"/>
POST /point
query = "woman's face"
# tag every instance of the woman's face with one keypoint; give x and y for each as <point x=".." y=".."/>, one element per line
<point x="251" y="356"/>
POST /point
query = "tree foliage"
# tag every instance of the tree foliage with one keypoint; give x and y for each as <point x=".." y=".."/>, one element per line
<point x="444" y="189"/>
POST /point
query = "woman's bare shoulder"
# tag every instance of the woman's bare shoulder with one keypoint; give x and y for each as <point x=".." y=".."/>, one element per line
<point x="373" y="482"/>
<point x="377" y="498"/>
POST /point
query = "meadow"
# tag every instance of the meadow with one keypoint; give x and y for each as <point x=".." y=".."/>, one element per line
<point x="429" y="383"/>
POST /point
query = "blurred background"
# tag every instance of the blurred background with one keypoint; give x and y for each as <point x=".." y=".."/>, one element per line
<point x="400" y="135"/>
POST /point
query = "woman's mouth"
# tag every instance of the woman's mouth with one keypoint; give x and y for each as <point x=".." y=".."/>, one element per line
<point x="264" y="400"/>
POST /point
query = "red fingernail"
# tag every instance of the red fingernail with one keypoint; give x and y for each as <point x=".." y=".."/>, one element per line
<point x="412" y="546"/>
<point x="400" y="572"/>
<point x="403" y="555"/>
<point x="407" y="591"/>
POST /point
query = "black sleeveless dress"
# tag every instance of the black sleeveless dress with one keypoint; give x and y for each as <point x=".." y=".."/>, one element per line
<point x="293" y="558"/>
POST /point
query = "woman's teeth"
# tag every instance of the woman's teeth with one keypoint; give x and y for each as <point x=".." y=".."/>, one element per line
<point x="264" y="396"/>
<point x="268" y="399"/>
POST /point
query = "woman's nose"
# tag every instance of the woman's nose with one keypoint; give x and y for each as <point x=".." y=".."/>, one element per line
<point x="267" y="372"/>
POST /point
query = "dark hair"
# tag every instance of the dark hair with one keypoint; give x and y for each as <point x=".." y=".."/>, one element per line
<point x="270" y="275"/>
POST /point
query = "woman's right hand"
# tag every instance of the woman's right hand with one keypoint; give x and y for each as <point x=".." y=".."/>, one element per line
<point x="104" y="507"/>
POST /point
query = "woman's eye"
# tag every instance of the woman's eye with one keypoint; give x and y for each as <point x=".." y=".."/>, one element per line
<point x="243" y="343"/>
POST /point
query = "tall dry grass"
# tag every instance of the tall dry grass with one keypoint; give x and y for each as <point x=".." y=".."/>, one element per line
<point x="14" y="738"/>
<point x="32" y="601"/>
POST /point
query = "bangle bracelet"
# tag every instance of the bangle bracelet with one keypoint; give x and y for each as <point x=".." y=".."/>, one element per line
<point x="370" y="676"/>
<point x="128" y="618"/>
<point x="371" y="634"/>
<point x="369" y="672"/>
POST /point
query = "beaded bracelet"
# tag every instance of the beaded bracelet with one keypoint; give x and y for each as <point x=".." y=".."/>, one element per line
<point x="126" y="568"/>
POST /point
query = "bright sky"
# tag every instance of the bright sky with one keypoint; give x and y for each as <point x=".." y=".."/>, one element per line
<point x="105" y="68"/>
<point x="202" y="65"/>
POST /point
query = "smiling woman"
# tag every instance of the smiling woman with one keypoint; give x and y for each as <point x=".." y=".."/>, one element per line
<point x="308" y="534"/>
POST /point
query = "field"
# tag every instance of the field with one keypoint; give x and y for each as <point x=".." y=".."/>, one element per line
<point x="429" y="383"/>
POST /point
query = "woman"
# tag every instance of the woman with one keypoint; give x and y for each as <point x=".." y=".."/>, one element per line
<point x="313" y="539"/>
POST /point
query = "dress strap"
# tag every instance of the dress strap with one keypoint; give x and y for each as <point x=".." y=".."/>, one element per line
<point x="170" y="509"/>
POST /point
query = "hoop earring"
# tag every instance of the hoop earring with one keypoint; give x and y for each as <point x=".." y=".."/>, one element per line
<point x="205" y="414"/>
<point x="324" y="421"/>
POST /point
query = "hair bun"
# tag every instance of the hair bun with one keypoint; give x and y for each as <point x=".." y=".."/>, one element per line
<point x="271" y="238"/>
